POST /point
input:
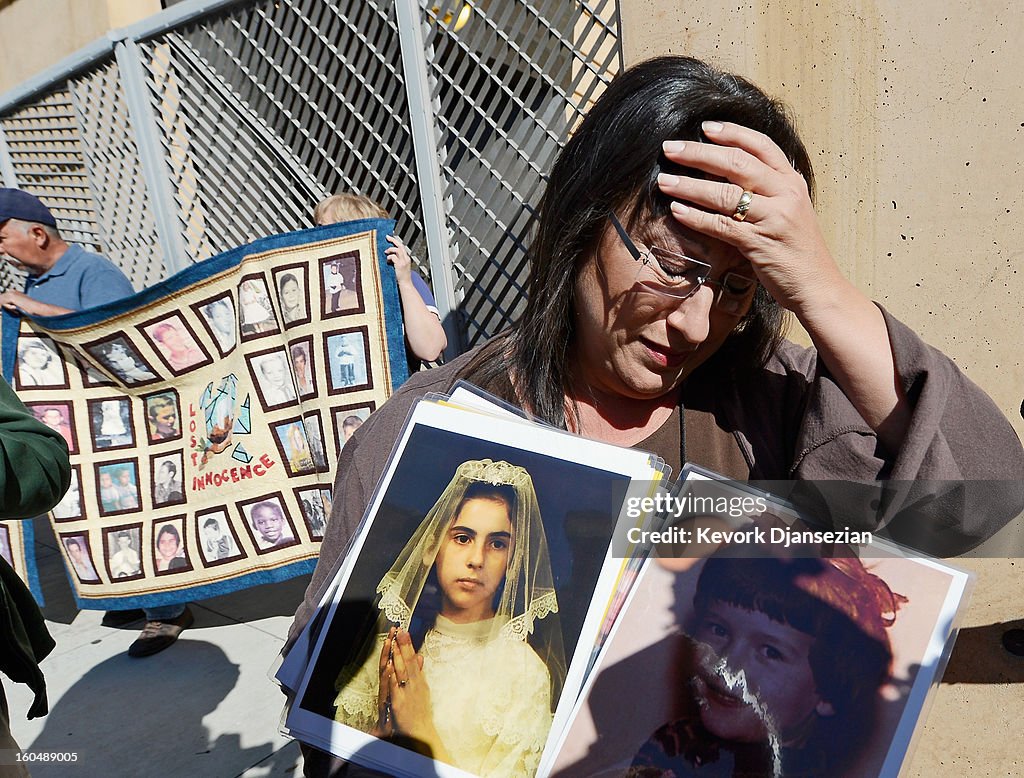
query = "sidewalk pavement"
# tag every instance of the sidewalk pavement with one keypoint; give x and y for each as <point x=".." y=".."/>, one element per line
<point x="975" y="725"/>
<point x="203" y="707"/>
<point x="207" y="707"/>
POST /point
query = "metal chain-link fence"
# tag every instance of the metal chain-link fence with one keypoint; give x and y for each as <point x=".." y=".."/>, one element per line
<point x="221" y="122"/>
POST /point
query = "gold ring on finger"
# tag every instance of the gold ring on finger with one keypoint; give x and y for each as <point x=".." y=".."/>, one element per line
<point x="742" y="206"/>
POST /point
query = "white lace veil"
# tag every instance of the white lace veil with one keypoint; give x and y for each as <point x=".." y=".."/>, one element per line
<point x="526" y="608"/>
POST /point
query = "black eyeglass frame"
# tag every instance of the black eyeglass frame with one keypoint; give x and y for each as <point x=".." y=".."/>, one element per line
<point x="703" y="270"/>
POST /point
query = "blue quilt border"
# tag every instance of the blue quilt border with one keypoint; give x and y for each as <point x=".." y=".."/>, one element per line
<point x="200" y="271"/>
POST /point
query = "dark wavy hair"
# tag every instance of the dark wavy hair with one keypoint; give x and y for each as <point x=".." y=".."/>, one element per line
<point x="612" y="163"/>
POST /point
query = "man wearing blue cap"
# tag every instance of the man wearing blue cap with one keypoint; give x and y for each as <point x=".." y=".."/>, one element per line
<point x="62" y="277"/>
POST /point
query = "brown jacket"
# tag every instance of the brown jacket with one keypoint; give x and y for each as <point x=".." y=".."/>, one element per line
<point x="956" y="480"/>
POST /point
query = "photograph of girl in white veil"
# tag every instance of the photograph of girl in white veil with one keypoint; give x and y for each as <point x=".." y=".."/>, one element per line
<point x="465" y="600"/>
<point x="454" y="636"/>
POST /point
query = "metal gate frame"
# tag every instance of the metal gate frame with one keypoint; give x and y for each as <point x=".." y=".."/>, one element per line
<point x="217" y="121"/>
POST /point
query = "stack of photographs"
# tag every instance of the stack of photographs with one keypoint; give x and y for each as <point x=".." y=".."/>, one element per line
<point x="763" y="656"/>
<point x="520" y="601"/>
<point x="457" y="635"/>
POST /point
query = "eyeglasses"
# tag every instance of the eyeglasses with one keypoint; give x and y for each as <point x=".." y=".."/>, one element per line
<point x="680" y="277"/>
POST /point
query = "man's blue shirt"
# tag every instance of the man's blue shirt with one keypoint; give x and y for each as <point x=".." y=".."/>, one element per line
<point x="79" y="280"/>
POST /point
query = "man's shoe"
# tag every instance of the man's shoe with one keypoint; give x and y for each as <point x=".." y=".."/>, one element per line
<point x="122" y="618"/>
<point x="158" y="635"/>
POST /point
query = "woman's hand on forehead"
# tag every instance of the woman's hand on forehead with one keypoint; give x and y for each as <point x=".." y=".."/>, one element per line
<point x="780" y="235"/>
<point x="763" y="208"/>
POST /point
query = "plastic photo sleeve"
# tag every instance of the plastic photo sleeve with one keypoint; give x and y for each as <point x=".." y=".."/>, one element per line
<point x="478" y="550"/>
<point x="768" y="665"/>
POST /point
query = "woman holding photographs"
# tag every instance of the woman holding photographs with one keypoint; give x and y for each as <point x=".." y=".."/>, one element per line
<point x="462" y="605"/>
<point x="675" y="235"/>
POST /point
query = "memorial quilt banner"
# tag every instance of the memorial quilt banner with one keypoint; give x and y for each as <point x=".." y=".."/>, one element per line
<point x="205" y="415"/>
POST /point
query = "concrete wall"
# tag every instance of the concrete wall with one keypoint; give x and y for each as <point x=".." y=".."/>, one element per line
<point x="912" y="113"/>
<point x="35" y="34"/>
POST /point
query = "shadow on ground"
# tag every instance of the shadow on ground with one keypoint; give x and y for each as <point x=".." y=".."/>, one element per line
<point x="979" y="656"/>
<point x="122" y="718"/>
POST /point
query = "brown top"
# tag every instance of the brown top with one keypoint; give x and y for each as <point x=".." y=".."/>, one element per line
<point x="705" y="442"/>
<point x="791" y="422"/>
